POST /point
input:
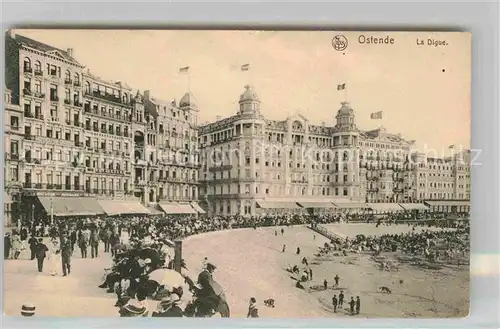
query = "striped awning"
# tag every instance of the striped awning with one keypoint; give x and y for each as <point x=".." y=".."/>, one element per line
<point x="174" y="208"/>
<point x="450" y="203"/>
<point x="277" y="205"/>
<point x="312" y="204"/>
<point x="122" y="207"/>
<point x="414" y="206"/>
<point x="350" y="205"/>
<point x="71" y="206"/>
<point x="155" y="211"/>
<point x="186" y="208"/>
<point x="197" y="208"/>
<point x="389" y="207"/>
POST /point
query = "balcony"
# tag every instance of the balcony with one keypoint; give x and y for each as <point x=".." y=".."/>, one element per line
<point x="77" y="103"/>
<point x="78" y="124"/>
<point x="28" y="69"/>
<point x="140" y="182"/>
<point x="49" y="140"/>
<point x="67" y="102"/>
<point x="39" y="95"/>
<point x="68" y="82"/>
<point x="79" y="144"/>
<point x="54" y="98"/>
<point x="27" y="92"/>
<point x="107" y="97"/>
<point x="39" y="73"/>
<point x="11" y="156"/>
<point x="77" y="83"/>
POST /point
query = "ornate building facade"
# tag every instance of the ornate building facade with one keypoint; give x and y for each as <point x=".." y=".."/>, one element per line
<point x="74" y="136"/>
<point x="247" y="160"/>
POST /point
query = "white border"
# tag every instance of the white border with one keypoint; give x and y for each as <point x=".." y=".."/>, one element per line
<point x="480" y="18"/>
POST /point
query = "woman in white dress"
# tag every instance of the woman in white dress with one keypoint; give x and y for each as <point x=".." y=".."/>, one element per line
<point x="55" y="257"/>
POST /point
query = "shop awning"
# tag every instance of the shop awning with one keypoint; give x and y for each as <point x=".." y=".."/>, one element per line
<point x="174" y="208"/>
<point x="197" y="208"/>
<point x="350" y="205"/>
<point x="155" y="211"/>
<point x="122" y="207"/>
<point x="414" y="206"/>
<point x="277" y="205"/>
<point x="450" y="203"/>
<point x="71" y="206"/>
<point x="186" y="208"/>
<point x="6" y="198"/>
<point x="389" y="207"/>
<point x="312" y="204"/>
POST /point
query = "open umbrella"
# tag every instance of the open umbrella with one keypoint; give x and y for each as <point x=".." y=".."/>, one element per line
<point x="165" y="277"/>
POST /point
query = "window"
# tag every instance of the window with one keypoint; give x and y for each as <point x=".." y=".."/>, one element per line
<point x="14" y="122"/>
<point x="67" y="76"/>
<point x="27" y="64"/>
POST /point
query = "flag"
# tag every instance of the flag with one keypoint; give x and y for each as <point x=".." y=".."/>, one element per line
<point x="184" y="69"/>
<point x="376" y="115"/>
<point x="451" y="147"/>
<point x="245" y="67"/>
<point x="341" y="87"/>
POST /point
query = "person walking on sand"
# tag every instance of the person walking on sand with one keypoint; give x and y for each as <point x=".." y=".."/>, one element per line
<point x="282" y="231"/>
<point x="298" y="251"/>
<point x="335" y="303"/>
<point x="358" y="304"/>
<point x="41" y="254"/>
<point x="253" y="311"/>
<point x="341" y="299"/>
<point x="352" y="303"/>
<point x="66" y="252"/>
<point x="284" y="248"/>
<point x="310" y="274"/>
<point x="336" y="279"/>
<point x="325" y="284"/>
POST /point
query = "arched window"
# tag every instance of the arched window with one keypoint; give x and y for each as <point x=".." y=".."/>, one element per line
<point x="124" y="98"/>
<point x="27" y="64"/>
<point x="87" y="87"/>
<point x="67" y="76"/>
<point x="76" y="79"/>
<point x="38" y="67"/>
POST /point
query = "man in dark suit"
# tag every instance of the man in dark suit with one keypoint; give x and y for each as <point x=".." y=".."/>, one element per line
<point x="33" y="242"/>
<point x="66" y="251"/>
<point x="41" y="254"/>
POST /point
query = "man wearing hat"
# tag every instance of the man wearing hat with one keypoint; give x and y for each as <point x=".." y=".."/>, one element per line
<point x="28" y="310"/>
<point x="170" y="305"/>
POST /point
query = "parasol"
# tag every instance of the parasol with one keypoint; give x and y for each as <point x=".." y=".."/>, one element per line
<point x="168" y="278"/>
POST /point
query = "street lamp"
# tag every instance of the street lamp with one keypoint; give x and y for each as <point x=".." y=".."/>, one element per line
<point x="51" y="213"/>
<point x="33" y="213"/>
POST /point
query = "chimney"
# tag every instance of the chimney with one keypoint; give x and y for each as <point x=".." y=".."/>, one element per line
<point x="70" y="52"/>
<point x="12" y="33"/>
<point x="146" y="94"/>
<point x="323" y="124"/>
<point x="219" y="118"/>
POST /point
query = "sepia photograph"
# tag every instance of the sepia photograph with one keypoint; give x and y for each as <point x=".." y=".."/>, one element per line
<point x="237" y="173"/>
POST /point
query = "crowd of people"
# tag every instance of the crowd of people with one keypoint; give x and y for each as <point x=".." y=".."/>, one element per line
<point x="139" y="246"/>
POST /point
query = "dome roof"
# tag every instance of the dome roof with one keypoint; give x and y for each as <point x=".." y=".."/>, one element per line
<point x="188" y="101"/>
<point x="249" y="95"/>
<point x="345" y="109"/>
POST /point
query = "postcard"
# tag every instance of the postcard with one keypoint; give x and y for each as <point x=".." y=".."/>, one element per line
<point x="237" y="173"/>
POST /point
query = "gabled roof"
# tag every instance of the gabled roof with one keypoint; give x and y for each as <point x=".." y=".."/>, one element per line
<point x="45" y="48"/>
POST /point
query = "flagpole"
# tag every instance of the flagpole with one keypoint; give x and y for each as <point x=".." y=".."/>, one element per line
<point x="189" y="81"/>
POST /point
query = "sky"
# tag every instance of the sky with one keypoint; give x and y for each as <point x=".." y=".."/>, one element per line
<point x="423" y="90"/>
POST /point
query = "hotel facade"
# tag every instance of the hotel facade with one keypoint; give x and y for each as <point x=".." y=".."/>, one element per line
<point x="252" y="165"/>
<point x="78" y="144"/>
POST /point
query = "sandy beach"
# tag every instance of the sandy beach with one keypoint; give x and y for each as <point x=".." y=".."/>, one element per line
<point x="251" y="264"/>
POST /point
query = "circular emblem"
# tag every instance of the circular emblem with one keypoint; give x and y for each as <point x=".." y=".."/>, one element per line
<point x="339" y="42"/>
